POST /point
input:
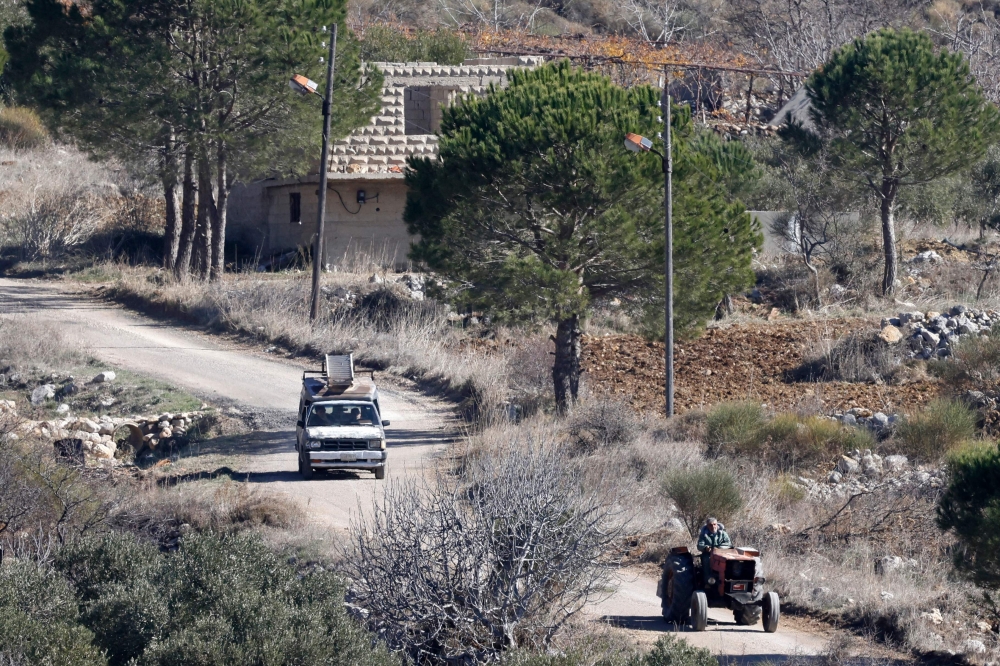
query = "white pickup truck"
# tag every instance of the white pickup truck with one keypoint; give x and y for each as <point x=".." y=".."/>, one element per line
<point x="340" y="423"/>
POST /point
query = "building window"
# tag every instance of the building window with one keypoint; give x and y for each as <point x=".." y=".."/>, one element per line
<point x="295" y="208"/>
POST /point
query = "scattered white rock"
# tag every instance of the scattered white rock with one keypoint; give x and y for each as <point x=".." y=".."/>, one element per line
<point x="43" y="393"/>
<point x="847" y="465"/>
<point x="895" y="463"/>
<point x="103" y="377"/>
<point x="974" y="646"/>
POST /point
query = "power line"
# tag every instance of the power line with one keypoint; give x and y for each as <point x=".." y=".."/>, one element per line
<point x="652" y="65"/>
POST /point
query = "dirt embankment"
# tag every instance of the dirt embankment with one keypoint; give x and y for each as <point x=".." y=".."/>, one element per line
<point x="742" y="362"/>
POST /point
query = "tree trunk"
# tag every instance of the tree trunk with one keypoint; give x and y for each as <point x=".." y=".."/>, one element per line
<point x="815" y="271"/>
<point x="203" y="235"/>
<point x="189" y="191"/>
<point x="566" y="369"/>
<point x="888" y="195"/>
<point x="171" y="231"/>
<point x="219" y="219"/>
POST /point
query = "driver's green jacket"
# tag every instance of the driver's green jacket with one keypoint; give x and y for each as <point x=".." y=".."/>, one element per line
<point x="708" y="540"/>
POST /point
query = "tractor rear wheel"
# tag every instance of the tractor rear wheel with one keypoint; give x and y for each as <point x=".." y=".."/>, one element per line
<point x="747" y="616"/>
<point x="699" y="611"/>
<point x="677" y="586"/>
<point x="771" y="612"/>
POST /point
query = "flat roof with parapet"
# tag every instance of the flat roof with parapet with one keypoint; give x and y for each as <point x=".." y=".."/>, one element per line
<point x="379" y="149"/>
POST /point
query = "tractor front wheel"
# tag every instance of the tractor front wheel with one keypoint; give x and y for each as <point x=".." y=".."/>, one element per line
<point x="771" y="611"/>
<point x="699" y="611"/>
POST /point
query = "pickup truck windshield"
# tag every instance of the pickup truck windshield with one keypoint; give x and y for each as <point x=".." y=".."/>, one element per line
<point x="341" y="415"/>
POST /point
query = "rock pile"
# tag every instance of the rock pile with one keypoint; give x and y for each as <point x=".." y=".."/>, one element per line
<point x="879" y="423"/>
<point x="98" y="433"/>
<point x="867" y="471"/>
<point x="933" y="334"/>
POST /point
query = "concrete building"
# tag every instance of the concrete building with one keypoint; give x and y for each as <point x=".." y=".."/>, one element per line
<point x="367" y="194"/>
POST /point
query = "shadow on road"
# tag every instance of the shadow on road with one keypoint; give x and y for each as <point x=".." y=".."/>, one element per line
<point x="656" y="623"/>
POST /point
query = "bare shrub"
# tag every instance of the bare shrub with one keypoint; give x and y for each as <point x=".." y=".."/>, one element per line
<point x="974" y="363"/>
<point x="500" y="558"/>
<point x="41" y="492"/>
<point x="703" y="492"/>
<point x="858" y="357"/>
<point x="942" y="427"/>
<point x="21" y="128"/>
<point x="605" y="421"/>
<point x="54" y="200"/>
<point x="54" y="223"/>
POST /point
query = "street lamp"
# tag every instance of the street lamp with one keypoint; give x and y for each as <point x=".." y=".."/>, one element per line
<point x="640" y="144"/>
<point x="305" y="86"/>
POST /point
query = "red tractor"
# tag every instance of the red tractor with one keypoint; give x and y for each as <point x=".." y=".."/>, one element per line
<point x="735" y="581"/>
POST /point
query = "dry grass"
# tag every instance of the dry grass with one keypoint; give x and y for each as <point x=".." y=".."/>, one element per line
<point x="27" y="344"/>
<point x="21" y="128"/>
<point x="412" y="339"/>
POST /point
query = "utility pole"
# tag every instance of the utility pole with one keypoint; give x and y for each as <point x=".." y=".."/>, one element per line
<point x="323" y="168"/>
<point x="668" y="174"/>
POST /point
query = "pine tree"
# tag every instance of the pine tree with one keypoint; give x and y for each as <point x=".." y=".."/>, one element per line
<point x="896" y="113"/>
<point x="536" y="208"/>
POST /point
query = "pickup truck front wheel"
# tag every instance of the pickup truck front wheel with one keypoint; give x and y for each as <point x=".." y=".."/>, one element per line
<point x="305" y="469"/>
<point x="380" y="473"/>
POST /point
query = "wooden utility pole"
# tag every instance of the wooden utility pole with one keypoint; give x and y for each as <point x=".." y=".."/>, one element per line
<point x="323" y="169"/>
<point x="668" y="174"/>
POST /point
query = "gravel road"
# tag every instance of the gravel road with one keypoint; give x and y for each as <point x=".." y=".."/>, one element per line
<point x="220" y="371"/>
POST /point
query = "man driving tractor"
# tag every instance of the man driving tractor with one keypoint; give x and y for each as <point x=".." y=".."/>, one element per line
<point x="712" y="535"/>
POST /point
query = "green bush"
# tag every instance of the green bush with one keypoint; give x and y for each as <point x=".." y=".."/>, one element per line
<point x="390" y="43"/>
<point x="971" y="507"/>
<point x="673" y="651"/>
<point x="700" y="493"/>
<point x="21" y="128"/>
<point x="217" y="600"/>
<point x="942" y="427"/>
<point x="38" y="618"/>
<point x="787" y="441"/>
<point x="733" y="428"/>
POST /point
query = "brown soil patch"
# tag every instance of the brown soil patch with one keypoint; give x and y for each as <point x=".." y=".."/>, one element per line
<point x="745" y="362"/>
<point x="913" y="247"/>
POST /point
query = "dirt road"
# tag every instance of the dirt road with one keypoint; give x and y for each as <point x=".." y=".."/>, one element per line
<point x="217" y="370"/>
<point x="635" y="607"/>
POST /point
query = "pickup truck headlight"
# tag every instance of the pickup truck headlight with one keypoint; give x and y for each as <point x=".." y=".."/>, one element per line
<point x="313" y="444"/>
<point x="374" y="444"/>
